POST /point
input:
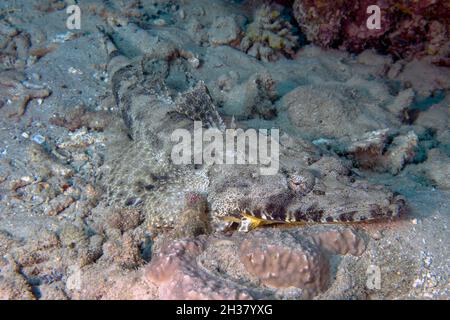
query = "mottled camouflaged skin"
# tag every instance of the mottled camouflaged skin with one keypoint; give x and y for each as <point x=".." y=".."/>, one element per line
<point x="333" y="198"/>
<point x="138" y="171"/>
<point x="143" y="178"/>
<point x="308" y="187"/>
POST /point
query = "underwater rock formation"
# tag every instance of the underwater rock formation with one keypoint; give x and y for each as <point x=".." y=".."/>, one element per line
<point x="330" y="111"/>
<point x="381" y="150"/>
<point x="252" y="99"/>
<point x="224" y="30"/>
<point x="437" y="168"/>
<point x="404" y="26"/>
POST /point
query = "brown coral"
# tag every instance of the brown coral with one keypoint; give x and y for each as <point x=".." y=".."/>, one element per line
<point x="342" y="242"/>
<point x="219" y="267"/>
<point x="408" y="28"/>
<point x="286" y="262"/>
<point x="178" y="275"/>
<point x="14" y="46"/>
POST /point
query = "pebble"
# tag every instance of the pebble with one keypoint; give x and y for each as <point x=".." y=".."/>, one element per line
<point x="201" y="11"/>
<point x="182" y="14"/>
<point x="75" y="71"/>
<point x="38" y="139"/>
<point x="377" y="235"/>
<point x="194" y="62"/>
<point x="63" y="37"/>
<point x="35" y="76"/>
<point x="159" y="22"/>
<point x="427" y="262"/>
<point x="27" y="179"/>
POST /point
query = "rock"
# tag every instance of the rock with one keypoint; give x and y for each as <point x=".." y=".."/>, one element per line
<point x="52" y="291"/>
<point x="402" y="151"/>
<point x="374" y="151"/>
<point x="401" y="103"/>
<point x="327" y="112"/>
<point x="13" y="285"/>
<point x="124" y="251"/>
<point x="423" y="77"/>
<point x="436" y="116"/>
<point x="437" y="168"/>
<point x="253" y="99"/>
<point x="197" y="31"/>
<point x="111" y="282"/>
<point x="224" y="30"/>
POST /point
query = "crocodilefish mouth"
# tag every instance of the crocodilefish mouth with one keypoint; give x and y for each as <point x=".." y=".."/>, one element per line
<point x="244" y="221"/>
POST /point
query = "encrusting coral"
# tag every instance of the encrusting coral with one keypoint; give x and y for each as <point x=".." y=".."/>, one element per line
<point x="408" y="28"/>
<point x="287" y="263"/>
<point x="279" y="259"/>
<point x="269" y="36"/>
<point x="179" y="276"/>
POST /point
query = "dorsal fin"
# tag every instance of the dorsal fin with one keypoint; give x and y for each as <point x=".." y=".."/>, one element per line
<point x="197" y="104"/>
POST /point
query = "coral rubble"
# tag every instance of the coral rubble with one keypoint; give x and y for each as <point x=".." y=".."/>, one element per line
<point x="269" y="36"/>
